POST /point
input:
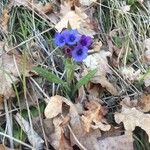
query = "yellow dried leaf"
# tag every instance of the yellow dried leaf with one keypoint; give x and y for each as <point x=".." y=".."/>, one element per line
<point x="131" y="117"/>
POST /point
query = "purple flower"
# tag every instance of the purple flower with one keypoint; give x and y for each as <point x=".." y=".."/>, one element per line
<point x="60" y="38"/>
<point x="79" y="53"/>
<point x="68" y="51"/>
<point x="85" y="40"/>
<point x="72" y="37"/>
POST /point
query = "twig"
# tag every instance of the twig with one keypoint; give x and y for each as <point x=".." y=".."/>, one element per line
<point x="16" y="140"/>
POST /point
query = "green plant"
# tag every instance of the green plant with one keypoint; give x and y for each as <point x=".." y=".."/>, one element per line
<point x="69" y="84"/>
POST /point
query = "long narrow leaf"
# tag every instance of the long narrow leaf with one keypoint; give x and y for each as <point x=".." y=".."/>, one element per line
<point x="84" y="80"/>
<point x="48" y="75"/>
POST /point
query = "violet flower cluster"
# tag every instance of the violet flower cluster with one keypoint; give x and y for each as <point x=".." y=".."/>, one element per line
<point x="74" y="44"/>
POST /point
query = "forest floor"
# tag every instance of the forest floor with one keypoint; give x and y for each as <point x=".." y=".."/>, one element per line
<point x="75" y="74"/>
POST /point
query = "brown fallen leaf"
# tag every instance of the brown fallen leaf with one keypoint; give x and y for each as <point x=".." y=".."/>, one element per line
<point x="11" y="67"/>
<point x="78" y="136"/>
<point x="88" y="139"/>
<point x="94" y="117"/>
<point x="54" y="107"/>
<point x="131" y="117"/>
<point x="100" y="62"/>
<point x="144" y="103"/>
<point x="76" y="18"/>
<point x="57" y="138"/>
<point x="64" y="143"/>
<point x="123" y="142"/>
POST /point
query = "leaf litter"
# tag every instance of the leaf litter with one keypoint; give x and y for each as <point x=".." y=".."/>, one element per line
<point x="84" y="123"/>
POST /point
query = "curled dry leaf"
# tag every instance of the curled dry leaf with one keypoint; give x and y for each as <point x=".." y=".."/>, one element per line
<point x="94" y="117"/>
<point x="123" y="142"/>
<point x="100" y="62"/>
<point x="131" y="117"/>
<point x="144" y="103"/>
<point x="58" y="140"/>
<point x="54" y="107"/>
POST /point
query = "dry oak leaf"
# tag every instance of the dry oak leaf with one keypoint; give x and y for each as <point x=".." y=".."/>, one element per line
<point x="88" y="140"/>
<point x="122" y="142"/>
<point x="94" y="117"/>
<point x="76" y="18"/>
<point x="144" y="103"/>
<point x="58" y="140"/>
<point x="131" y="117"/>
<point x="100" y="62"/>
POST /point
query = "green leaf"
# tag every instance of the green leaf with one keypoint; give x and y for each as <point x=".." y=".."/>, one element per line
<point x="48" y="75"/>
<point x="84" y="80"/>
<point x="70" y="67"/>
